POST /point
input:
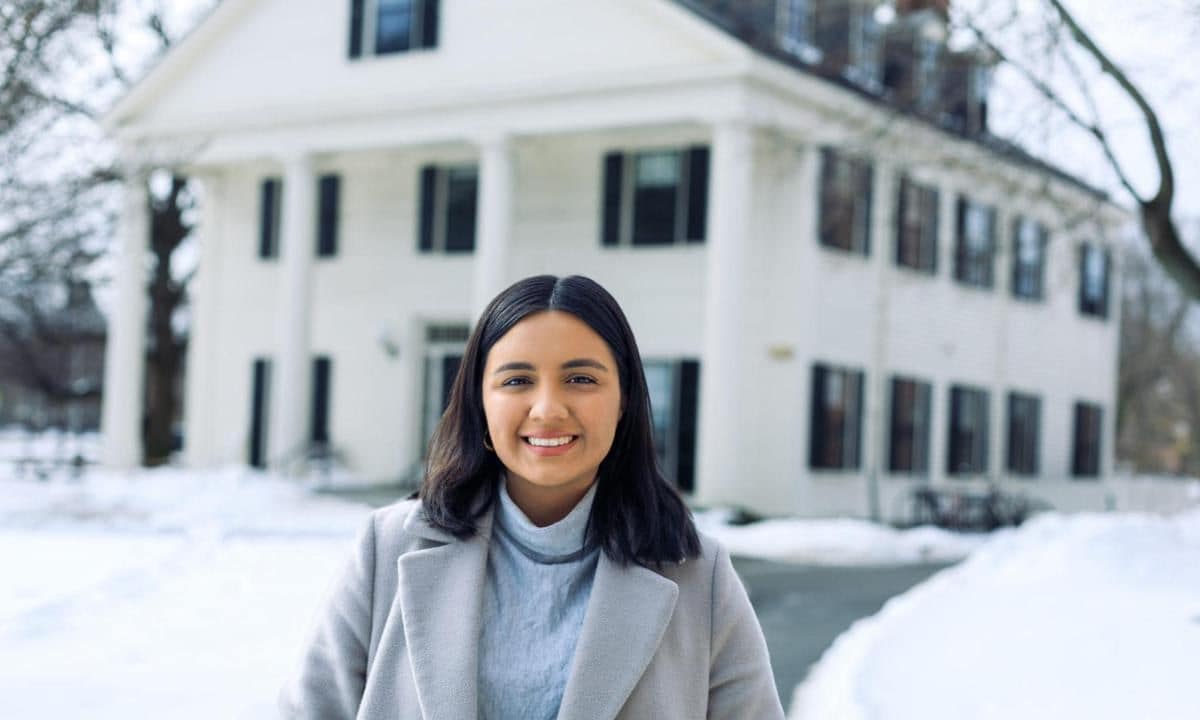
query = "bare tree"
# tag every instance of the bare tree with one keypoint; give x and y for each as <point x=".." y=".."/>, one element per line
<point x="1066" y="42"/>
<point x="61" y="65"/>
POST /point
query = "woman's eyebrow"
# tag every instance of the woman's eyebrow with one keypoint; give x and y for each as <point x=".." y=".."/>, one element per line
<point x="568" y="365"/>
<point x="584" y="362"/>
<point x="513" y="366"/>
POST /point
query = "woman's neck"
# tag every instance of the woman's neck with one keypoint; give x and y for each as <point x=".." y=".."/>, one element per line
<point x="544" y="506"/>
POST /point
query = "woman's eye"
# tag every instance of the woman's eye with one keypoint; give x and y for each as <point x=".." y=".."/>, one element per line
<point x="516" y="381"/>
<point x="581" y="379"/>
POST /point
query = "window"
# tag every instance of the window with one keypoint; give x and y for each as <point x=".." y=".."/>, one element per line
<point x="1023" y="423"/>
<point x="655" y="198"/>
<point x="449" y="196"/>
<point x="975" y="244"/>
<point x="845" y="202"/>
<point x="1029" y="258"/>
<point x="444" y="347"/>
<point x="268" y="218"/>
<point x="382" y="27"/>
<point x="1085" y="460"/>
<point x="836" y="418"/>
<point x="968" y="446"/>
<point x="928" y="83"/>
<point x="864" y="63"/>
<point x="917" y="226"/>
<point x="321" y="376"/>
<point x="328" y="190"/>
<point x="909" y="440"/>
<point x="260" y="399"/>
<point x="674" y="393"/>
<point x="794" y="19"/>
<point x="1093" y="280"/>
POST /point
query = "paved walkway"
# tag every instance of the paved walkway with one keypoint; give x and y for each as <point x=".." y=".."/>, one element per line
<point x="802" y="608"/>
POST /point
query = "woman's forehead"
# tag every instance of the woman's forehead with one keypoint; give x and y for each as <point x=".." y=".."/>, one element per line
<point x="550" y="337"/>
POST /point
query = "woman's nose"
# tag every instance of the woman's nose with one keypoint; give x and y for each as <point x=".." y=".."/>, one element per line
<point x="548" y="405"/>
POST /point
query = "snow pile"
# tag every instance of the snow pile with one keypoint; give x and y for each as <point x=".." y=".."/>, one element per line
<point x="161" y="593"/>
<point x="836" y="542"/>
<point x="1086" y="616"/>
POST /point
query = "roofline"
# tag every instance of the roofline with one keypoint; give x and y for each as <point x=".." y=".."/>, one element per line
<point x="1004" y="148"/>
<point x="172" y="60"/>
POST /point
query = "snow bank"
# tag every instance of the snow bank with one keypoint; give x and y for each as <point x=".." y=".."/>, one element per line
<point x="1086" y="616"/>
<point x="836" y="542"/>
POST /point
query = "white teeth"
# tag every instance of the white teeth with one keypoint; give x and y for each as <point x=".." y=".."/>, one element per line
<point x="550" y="442"/>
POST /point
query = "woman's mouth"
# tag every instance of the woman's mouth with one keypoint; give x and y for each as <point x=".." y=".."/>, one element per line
<point x="549" y="441"/>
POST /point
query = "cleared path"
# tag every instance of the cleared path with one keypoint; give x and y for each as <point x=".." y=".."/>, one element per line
<point x="802" y="608"/>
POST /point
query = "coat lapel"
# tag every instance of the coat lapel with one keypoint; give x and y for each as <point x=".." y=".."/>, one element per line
<point x="629" y="610"/>
<point x="441" y="591"/>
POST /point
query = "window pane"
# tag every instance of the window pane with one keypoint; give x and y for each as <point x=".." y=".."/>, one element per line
<point x="845" y="202"/>
<point x="462" y="185"/>
<point x="1094" y="281"/>
<point x="660" y="383"/>
<point x="836" y="418"/>
<point x="1029" y="248"/>
<point x="968" y="431"/>
<point x="795" y="24"/>
<point x="393" y="26"/>
<point x="910" y="426"/>
<point x="656" y="182"/>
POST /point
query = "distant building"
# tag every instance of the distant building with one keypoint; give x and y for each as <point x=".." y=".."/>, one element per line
<point x="841" y="283"/>
<point x="51" y="366"/>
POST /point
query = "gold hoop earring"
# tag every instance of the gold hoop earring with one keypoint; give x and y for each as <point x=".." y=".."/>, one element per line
<point x="486" y="444"/>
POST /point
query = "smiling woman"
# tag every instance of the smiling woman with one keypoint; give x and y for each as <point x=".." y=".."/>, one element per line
<point x="545" y="569"/>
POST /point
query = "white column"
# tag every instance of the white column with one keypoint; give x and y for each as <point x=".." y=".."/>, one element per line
<point x="290" y="379"/>
<point x="725" y="302"/>
<point x="495" y="220"/>
<point x="201" y="381"/>
<point x="125" y="348"/>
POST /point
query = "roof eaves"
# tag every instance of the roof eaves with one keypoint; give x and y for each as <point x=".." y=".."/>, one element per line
<point x="764" y="44"/>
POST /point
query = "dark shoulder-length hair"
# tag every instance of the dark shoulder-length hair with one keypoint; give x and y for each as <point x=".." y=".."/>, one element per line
<point x="637" y="515"/>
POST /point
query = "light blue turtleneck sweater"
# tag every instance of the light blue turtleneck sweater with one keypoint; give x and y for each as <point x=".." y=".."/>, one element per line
<point x="538" y="583"/>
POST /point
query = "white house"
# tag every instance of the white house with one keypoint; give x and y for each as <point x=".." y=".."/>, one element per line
<point x="842" y="286"/>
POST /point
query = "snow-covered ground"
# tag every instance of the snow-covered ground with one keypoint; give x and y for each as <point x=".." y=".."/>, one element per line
<point x="838" y="541"/>
<point x="1094" y="616"/>
<point x="178" y="594"/>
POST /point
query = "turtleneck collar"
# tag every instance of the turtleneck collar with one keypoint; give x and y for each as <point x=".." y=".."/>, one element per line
<point x="559" y="542"/>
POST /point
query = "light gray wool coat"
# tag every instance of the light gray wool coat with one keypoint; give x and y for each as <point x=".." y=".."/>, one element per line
<point x="398" y="637"/>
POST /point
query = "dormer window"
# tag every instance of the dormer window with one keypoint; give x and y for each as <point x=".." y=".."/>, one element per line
<point x="794" y="18"/>
<point x="383" y="27"/>
<point x="864" y="64"/>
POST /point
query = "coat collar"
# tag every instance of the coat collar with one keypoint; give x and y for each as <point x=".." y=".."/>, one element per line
<point x="441" y="593"/>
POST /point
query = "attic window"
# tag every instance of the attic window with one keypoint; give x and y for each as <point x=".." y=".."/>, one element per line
<point x="383" y="27"/>
<point x="794" y="18"/>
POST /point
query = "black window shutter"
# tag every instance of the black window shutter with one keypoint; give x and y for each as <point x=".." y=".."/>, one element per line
<point x="260" y="378"/>
<point x="356" y="28"/>
<point x="867" y="198"/>
<point x="322" y="370"/>
<point x="933" y="215"/>
<point x="429" y="23"/>
<point x="268" y="204"/>
<point x="816" y="441"/>
<point x="327" y="218"/>
<point x="854" y="421"/>
<point x="901" y="209"/>
<point x="428" y="187"/>
<point x="611" y="220"/>
<point x="1105" y="284"/>
<point x="960" y="239"/>
<point x="697" y="214"/>
<point x="689" y="396"/>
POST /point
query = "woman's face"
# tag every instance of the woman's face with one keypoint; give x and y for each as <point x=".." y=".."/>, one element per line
<point x="552" y="399"/>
